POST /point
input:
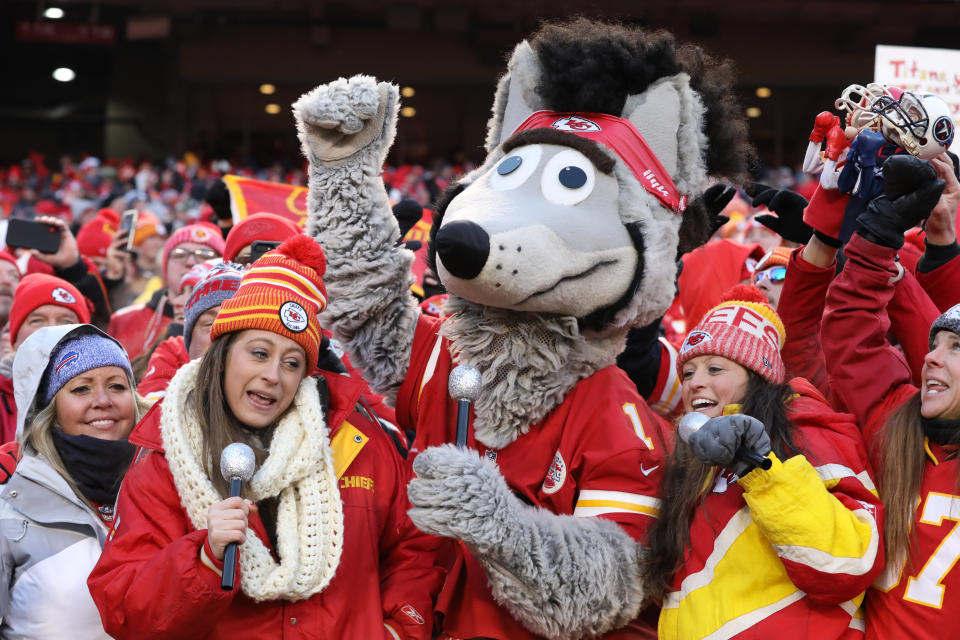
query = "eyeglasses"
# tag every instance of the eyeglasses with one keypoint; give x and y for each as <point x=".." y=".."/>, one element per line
<point x="774" y="274"/>
<point x="180" y="254"/>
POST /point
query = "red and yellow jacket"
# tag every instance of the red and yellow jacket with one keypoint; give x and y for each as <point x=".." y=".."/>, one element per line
<point x="150" y="581"/>
<point x="785" y="553"/>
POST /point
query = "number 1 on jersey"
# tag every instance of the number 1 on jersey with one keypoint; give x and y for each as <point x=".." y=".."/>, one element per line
<point x="631" y="410"/>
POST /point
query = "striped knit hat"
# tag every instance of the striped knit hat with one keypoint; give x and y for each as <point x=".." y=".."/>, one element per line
<point x="743" y="328"/>
<point x="282" y="292"/>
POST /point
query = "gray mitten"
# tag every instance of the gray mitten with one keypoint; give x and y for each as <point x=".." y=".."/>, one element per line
<point x="717" y="441"/>
<point x="561" y="576"/>
<point x="458" y="494"/>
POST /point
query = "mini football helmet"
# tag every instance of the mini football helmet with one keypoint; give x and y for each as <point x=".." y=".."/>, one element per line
<point x="920" y="123"/>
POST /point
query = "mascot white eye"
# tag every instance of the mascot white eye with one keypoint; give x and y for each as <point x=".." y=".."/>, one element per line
<point x="568" y="178"/>
<point x="515" y="168"/>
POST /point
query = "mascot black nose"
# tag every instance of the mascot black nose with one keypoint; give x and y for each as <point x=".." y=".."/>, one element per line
<point x="463" y="248"/>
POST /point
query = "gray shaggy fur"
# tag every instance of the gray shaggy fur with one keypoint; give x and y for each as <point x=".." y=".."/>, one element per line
<point x="368" y="279"/>
<point x="529" y="363"/>
<point x="563" y="577"/>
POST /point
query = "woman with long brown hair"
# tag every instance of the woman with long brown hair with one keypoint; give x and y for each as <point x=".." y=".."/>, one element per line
<point x="747" y="552"/>
<point x="912" y="433"/>
<point x="325" y="545"/>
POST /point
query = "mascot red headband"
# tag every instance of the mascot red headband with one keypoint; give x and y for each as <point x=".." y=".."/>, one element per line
<point x="621" y="137"/>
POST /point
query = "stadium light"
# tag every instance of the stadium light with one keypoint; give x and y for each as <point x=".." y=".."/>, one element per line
<point x="63" y="74"/>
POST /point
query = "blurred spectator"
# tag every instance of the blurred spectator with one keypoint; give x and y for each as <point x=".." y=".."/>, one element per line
<point x="9" y="279"/>
<point x="770" y="272"/>
<point x="138" y="326"/>
<point x="259" y="226"/>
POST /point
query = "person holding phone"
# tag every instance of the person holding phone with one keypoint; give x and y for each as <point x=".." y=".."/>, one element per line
<point x="68" y="264"/>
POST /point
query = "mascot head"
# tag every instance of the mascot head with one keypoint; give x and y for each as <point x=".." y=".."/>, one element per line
<point x="601" y="138"/>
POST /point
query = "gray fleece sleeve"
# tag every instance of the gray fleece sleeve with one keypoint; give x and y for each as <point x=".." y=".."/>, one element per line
<point x="346" y="128"/>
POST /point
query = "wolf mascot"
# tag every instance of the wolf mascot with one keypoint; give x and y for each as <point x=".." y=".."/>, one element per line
<point x="565" y="238"/>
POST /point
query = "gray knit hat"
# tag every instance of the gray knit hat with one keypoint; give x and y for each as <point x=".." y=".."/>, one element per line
<point x="949" y="321"/>
<point x="218" y="284"/>
<point x="78" y="355"/>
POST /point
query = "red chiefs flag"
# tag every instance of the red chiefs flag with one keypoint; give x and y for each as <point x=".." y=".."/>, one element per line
<point x="421" y="232"/>
<point x="249" y="196"/>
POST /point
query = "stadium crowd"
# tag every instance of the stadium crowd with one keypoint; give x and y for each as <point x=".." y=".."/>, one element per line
<point x="817" y="335"/>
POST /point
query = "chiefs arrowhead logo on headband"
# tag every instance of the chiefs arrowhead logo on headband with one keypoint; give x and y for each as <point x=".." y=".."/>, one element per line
<point x="620" y="136"/>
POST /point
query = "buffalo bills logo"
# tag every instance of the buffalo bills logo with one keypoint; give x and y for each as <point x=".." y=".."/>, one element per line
<point x="556" y="474"/>
<point x="67" y="359"/>
<point x="943" y="130"/>
<point x="62" y="296"/>
<point x="576" y="124"/>
<point x="293" y="317"/>
<point x="695" y="338"/>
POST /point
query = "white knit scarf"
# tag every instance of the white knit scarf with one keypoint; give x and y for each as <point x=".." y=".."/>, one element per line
<point x="299" y="469"/>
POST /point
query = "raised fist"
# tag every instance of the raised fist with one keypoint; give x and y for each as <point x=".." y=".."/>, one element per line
<point x="337" y="119"/>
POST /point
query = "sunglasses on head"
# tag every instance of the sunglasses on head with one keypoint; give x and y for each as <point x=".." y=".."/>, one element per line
<point x="774" y="274"/>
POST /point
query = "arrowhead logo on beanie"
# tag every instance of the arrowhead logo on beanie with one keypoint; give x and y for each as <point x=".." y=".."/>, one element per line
<point x="743" y="328"/>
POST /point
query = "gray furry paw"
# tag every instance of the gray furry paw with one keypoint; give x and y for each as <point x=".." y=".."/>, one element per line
<point x="337" y="119"/>
<point x="458" y="494"/>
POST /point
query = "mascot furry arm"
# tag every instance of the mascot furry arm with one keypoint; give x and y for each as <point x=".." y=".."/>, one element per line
<point x="599" y="242"/>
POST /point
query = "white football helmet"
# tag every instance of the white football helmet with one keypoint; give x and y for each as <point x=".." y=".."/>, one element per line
<point x="856" y="100"/>
<point x="920" y="123"/>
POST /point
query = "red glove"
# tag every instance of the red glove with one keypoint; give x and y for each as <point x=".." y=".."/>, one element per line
<point x="9" y="457"/>
<point x="836" y="142"/>
<point x="822" y="124"/>
<point x="825" y="211"/>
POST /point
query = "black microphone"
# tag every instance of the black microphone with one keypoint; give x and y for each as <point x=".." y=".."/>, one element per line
<point x="691" y="422"/>
<point x="464" y="386"/>
<point x="237" y="464"/>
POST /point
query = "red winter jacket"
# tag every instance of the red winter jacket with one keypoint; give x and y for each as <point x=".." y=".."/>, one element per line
<point x="942" y="284"/>
<point x="138" y="326"/>
<point x="167" y="358"/>
<point x="151" y="583"/>
<point x="921" y="598"/>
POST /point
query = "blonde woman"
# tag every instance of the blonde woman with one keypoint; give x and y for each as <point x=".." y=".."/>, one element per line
<point x="76" y="404"/>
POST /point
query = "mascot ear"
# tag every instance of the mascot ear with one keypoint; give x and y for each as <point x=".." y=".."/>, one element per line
<point x="670" y="116"/>
<point x="516" y="95"/>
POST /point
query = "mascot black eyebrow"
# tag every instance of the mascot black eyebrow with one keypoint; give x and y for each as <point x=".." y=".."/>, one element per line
<point x="565" y="238"/>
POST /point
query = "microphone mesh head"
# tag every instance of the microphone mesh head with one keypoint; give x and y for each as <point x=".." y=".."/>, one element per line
<point x="464" y="383"/>
<point x="689" y="423"/>
<point x="237" y="461"/>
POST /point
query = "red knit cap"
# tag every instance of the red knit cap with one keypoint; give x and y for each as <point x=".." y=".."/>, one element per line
<point x="282" y="292"/>
<point x="95" y="236"/>
<point x="199" y="233"/>
<point x="259" y="226"/>
<point x="38" y="289"/>
<point x="743" y="328"/>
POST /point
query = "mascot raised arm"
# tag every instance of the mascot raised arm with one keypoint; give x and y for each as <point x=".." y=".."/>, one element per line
<point x="565" y="238"/>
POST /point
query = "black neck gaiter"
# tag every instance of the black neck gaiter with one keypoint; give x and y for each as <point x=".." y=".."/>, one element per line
<point x="943" y="432"/>
<point x="94" y="464"/>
